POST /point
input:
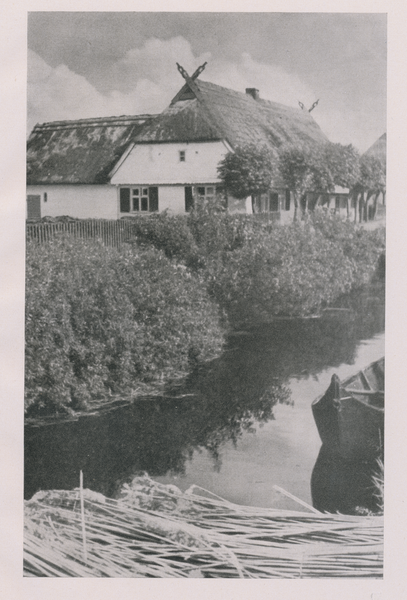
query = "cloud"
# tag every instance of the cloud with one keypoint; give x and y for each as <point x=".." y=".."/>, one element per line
<point x="145" y="80"/>
<point x="273" y="82"/>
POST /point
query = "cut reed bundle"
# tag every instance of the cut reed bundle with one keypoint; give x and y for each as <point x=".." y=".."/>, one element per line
<point x="157" y="531"/>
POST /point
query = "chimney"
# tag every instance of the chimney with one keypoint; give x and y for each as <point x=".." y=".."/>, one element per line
<point x="253" y="92"/>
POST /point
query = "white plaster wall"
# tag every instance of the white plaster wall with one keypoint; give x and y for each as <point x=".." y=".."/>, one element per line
<point x="78" y="201"/>
<point x="157" y="164"/>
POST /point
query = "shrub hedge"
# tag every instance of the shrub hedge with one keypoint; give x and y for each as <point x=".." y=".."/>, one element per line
<point x="100" y="321"/>
<point x="289" y="271"/>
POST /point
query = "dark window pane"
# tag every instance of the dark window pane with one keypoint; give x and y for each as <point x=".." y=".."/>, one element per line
<point x="201" y="191"/>
<point x="136" y="192"/>
<point x="189" y="199"/>
<point x="124" y="200"/>
<point x="153" y="197"/>
<point x="273" y="202"/>
<point x="287" y="199"/>
<point x="144" y="203"/>
<point x="136" y="204"/>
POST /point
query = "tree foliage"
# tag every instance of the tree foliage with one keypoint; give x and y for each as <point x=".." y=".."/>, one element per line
<point x="247" y="171"/>
<point x="307" y="169"/>
<point x="299" y="167"/>
<point x="372" y="176"/>
<point x="342" y="165"/>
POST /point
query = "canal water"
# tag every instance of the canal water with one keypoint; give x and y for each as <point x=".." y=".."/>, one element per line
<point x="237" y="427"/>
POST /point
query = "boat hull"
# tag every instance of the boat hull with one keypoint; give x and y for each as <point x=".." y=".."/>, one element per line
<point x="350" y="415"/>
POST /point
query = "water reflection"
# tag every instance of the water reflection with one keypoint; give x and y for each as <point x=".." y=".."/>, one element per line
<point x="156" y="436"/>
<point x="344" y="486"/>
<point x="223" y="401"/>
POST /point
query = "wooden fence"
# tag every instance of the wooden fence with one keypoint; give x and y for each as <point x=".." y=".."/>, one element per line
<point x="111" y="233"/>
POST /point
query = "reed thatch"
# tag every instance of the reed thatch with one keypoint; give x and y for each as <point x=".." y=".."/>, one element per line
<point x="378" y="149"/>
<point x="79" y="152"/>
<point x="211" y="112"/>
<point x="154" y="530"/>
<point x="86" y="151"/>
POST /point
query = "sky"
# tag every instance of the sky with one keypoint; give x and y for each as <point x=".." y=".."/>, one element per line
<point x="89" y="64"/>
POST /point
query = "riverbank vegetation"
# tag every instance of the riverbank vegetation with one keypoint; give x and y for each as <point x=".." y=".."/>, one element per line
<point x="153" y="530"/>
<point x="103" y="321"/>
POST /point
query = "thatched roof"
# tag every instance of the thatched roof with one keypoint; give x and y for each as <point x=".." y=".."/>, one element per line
<point x="87" y="150"/>
<point x="79" y="152"/>
<point x="378" y="149"/>
<point x="211" y="112"/>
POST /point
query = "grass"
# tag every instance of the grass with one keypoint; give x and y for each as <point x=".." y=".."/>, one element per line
<point x="153" y="530"/>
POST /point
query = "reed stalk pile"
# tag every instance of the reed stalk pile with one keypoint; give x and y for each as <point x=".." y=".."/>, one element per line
<point x="153" y="530"/>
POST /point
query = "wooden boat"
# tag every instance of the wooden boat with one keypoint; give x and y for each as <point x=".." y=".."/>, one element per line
<point x="350" y="415"/>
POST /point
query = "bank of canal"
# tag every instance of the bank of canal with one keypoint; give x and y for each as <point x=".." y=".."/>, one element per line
<point x="244" y="425"/>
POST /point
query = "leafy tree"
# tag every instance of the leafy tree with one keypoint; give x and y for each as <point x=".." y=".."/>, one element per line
<point x="342" y="162"/>
<point x="340" y="166"/>
<point x="301" y="170"/>
<point x="371" y="182"/>
<point x="247" y="171"/>
<point x="308" y="169"/>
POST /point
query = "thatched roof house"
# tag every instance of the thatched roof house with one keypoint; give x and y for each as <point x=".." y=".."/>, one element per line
<point x="116" y="166"/>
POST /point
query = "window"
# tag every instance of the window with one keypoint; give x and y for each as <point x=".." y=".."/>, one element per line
<point x="207" y="192"/>
<point x="199" y="192"/>
<point x="182" y="155"/>
<point x="138" y="199"/>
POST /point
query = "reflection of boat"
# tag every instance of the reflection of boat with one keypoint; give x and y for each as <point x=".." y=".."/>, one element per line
<point x="350" y="415"/>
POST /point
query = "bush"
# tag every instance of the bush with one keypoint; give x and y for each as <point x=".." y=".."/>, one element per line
<point x="170" y="234"/>
<point x="215" y="230"/>
<point x="100" y="321"/>
<point x="292" y="271"/>
<point x="362" y="247"/>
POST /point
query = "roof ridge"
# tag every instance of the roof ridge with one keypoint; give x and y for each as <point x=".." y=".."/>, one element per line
<point x="92" y="122"/>
<point x="249" y="97"/>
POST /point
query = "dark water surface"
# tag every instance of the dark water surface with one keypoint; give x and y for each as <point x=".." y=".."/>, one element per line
<point x="244" y="425"/>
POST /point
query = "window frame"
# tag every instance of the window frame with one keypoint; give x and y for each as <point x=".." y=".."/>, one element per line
<point x="145" y="201"/>
<point x="206" y="196"/>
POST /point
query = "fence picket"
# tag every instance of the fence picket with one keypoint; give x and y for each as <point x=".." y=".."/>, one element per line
<point x="111" y="233"/>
